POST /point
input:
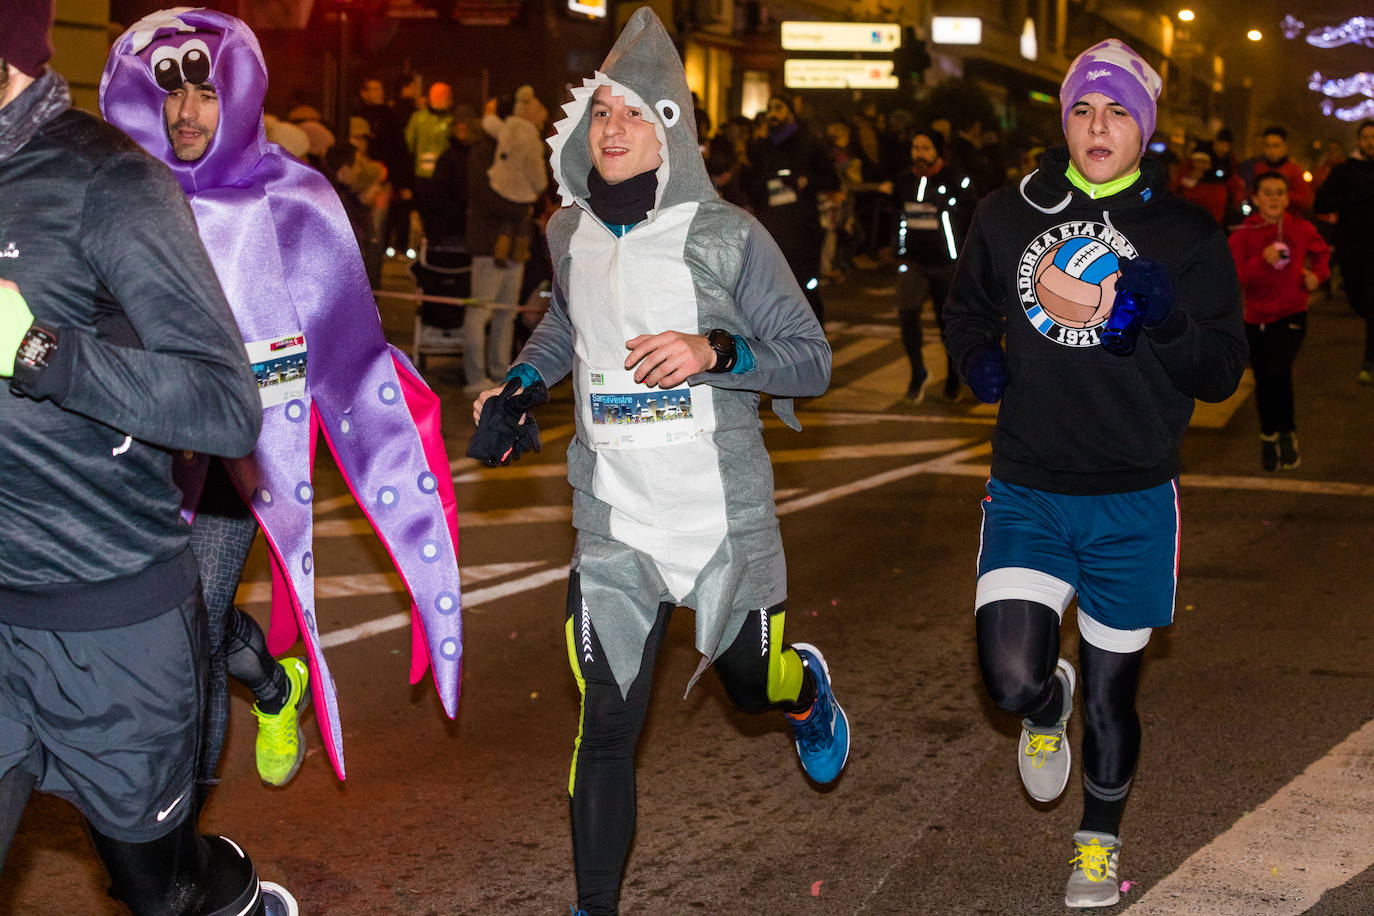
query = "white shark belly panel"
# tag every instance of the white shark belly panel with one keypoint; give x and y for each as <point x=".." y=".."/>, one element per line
<point x="667" y="501"/>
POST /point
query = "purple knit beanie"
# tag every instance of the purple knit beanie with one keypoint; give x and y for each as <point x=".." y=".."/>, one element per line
<point x="26" y="35"/>
<point x="1113" y="69"/>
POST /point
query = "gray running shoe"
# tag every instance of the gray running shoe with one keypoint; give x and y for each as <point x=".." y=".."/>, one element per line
<point x="1043" y="754"/>
<point x="1093" y="880"/>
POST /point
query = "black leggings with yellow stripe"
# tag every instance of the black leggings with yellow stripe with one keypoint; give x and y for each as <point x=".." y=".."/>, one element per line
<point x="758" y="672"/>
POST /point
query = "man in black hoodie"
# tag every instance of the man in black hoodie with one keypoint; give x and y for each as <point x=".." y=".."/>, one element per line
<point x="1120" y="306"/>
<point x="1349" y="192"/>
<point x="120" y="351"/>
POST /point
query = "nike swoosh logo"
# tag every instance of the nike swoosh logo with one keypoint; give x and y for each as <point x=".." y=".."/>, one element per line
<point x="162" y="815"/>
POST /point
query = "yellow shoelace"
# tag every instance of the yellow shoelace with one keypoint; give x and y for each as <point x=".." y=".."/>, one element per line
<point x="1040" y="746"/>
<point x="1094" y="859"/>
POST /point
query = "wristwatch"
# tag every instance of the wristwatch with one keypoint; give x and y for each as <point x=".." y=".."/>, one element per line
<point x="723" y="342"/>
<point x="37" y="347"/>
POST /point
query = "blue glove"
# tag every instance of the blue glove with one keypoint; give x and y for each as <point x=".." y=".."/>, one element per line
<point x="1144" y="298"/>
<point x="985" y="370"/>
<point x="1149" y="281"/>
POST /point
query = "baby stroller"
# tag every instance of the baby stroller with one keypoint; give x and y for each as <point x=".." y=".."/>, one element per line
<point x="442" y="269"/>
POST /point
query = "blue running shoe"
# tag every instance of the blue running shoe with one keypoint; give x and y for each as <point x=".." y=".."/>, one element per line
<point x="823" y="736"/>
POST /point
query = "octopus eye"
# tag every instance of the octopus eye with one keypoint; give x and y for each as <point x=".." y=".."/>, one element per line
<point x="167" y="69"/>
<point x="195" y="66"/>
<point x="667" y="110"/>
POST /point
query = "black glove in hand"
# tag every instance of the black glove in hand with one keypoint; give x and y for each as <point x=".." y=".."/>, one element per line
<point x="501" y="437"/>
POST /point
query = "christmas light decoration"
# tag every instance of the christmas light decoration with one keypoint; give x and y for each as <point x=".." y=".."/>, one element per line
<point x="1359" y="84"/>
<point x="1355" y="113"/>
<point x="1357" y="30"/>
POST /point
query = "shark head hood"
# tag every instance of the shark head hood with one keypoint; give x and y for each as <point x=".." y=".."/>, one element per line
<point x="163" y="50"/>
<point x="645" y="70"/>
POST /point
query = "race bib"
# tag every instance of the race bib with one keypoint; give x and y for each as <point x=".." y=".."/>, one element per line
<point x="279" y="366"/>
<point x="626" y="414"/>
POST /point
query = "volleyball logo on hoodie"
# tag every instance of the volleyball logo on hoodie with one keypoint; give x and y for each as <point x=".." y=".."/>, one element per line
<point x="1066" y="280"/>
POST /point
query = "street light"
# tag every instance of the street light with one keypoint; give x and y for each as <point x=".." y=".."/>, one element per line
<point x="1186" y="15"/>
<point x="1254" y="34"/>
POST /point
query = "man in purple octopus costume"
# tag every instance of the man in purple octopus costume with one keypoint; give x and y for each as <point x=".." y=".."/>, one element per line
<point x="282" y="248"/>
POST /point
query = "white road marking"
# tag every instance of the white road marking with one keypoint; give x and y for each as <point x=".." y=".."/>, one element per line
<point x="470" y="601"/>
<point x="1314" y="834"/>
<point x="856" y="350"/>
<point x="376" y="583"/>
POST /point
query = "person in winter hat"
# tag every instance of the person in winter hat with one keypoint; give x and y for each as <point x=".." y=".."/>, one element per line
<point x="1120" y="306"/>
<point x="672" y="310"/>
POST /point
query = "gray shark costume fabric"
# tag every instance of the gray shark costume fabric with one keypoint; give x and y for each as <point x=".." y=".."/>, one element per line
<point x="673" y="491"/>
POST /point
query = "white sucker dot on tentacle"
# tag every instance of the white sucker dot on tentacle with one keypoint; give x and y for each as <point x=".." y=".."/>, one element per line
<point x="304" y="492"/>
<point x="427" y="482"/>
<point x="387" y="496"/>
<point x="446" y="602"/>
<point x="449" y="648"/>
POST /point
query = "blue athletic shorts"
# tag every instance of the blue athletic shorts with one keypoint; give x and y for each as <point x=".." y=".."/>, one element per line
<point x="1119" y="551"/>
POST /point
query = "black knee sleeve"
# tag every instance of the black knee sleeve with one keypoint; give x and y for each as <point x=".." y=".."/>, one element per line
<point x="1018" y="649"/>
<point x="181" y="874"/>
<point x="231" y="882"/>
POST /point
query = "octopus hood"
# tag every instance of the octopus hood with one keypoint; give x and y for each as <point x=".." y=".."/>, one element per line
<point x="637" y="69"/>
<point x="170" y="47"/>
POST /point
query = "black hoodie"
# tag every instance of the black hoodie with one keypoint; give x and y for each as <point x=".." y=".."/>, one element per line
<point x="1040" y="266"/>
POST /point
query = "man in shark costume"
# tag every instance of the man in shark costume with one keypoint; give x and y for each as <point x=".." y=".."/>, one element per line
<point x="285" y="254"/>
<point x="673" y="488"/>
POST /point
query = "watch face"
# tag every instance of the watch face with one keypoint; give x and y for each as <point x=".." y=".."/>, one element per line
<point x="36" y="347"/>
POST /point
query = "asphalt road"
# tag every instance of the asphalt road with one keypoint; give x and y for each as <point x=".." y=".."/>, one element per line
<point x="1255" y="792"/>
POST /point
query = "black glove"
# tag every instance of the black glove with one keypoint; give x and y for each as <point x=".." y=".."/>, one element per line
<point x="501" y="437"/>
<point x="985" y="370"/>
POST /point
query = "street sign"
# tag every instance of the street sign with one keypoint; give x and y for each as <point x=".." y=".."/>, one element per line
<point x="841" y="36"/>
<point x="838" y="74"/>
<point x="956" y="30"/>
<point x="596" y="9"/>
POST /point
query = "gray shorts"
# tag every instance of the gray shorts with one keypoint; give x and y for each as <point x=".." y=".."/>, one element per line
<point x="109" y="719"/>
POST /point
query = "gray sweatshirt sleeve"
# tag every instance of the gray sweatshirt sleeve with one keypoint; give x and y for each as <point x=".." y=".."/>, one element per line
<point x="549" y="351"/>
<point x="190" y="385"/>
<point x="791" y="354"/>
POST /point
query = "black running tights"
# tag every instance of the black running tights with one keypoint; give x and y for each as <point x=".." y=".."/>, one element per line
<point x="1018" y="648"/>
<point x="602" y="785"/>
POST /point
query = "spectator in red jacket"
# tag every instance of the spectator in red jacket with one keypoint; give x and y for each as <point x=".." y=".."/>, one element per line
<point x="1280" y="259"/>
<point x="1275" y="159"/>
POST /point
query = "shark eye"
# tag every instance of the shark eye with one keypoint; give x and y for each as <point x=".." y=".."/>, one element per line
<point x="167" y="69"/>
<point x="195" y="62"/>
<point x="667" y="110"/>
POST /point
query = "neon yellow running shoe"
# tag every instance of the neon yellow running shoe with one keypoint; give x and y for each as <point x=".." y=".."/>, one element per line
<point x="281" y="743"/>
